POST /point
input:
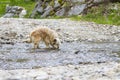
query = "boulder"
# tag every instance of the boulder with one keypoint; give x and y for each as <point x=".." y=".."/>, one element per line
<point x="40" y="9"/>
<point x="57" y="4"/>
<point x="47" y="8"/>
<point x="22" y="13"/>
<point x="12" y="11"/>
<point x="77" y="9"/>
<point x="61" y="12"/>
<point x="8" y="15"/>
<point x="78" y="1"/>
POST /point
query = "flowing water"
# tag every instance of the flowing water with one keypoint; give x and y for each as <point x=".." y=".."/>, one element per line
<point x="21" y="55"/>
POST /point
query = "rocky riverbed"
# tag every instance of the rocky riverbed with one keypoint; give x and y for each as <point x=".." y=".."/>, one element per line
<point x="88" y="51"/>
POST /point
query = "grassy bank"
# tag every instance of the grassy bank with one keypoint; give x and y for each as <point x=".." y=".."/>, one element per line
<point x="100" y="15"/>
<point x="97" y="14"/>
<point x="27" y="4"/>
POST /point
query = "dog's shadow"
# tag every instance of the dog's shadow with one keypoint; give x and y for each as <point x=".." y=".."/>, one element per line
<point x="45" y="50"/>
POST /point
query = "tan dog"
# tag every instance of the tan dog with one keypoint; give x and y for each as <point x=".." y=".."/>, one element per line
<point x="45" y="34"/>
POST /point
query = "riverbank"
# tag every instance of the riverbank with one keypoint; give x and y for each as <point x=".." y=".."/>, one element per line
<point x="88" y="51"/>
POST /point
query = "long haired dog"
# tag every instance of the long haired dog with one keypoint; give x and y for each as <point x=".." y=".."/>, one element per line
<point x="47" y="35"/>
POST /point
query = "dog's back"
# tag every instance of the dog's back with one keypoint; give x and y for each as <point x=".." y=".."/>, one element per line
<point x="44" y="34"/>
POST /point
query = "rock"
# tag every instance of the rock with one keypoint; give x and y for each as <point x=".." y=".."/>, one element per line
<point x="22" y="13"/>
<point x="57" y="4"/>
<point x="42" y="76"/>
<point x="56" y="77"/>
<point x="12" y="11"/>
<point x="40" y="9"/>
<point x="48" y="9"/>
<point x="8" y="15"/>
<point x="75" y="78"/>
<point x="97" y="1"/>
<point x="11" y="34"/>
<point x="8" y="8"/>
<point x="76" y="10"/>
<point x="80" y="1"/>
<point x="63" y="8"/>
<point x="77" y="51"/>
<point x="62" y="64"/>
<point x="61" y="12"/>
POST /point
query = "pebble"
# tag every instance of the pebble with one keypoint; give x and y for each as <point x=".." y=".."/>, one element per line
<point x="82" y="31"/>
<point x="103" y="71"/>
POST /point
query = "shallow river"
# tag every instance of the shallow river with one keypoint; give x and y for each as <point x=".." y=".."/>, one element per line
<point x="21" y="55"/>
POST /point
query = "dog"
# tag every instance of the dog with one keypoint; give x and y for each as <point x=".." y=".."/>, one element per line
<point x="45" y="34"/>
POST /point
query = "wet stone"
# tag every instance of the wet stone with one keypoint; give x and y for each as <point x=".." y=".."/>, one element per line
<point x="92" y="51"/>
<point x="76" y="52"/>
<point x="21" y="55"/>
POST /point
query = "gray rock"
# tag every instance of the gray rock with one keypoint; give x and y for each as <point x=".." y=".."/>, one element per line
<point x="97" y="1"/>
<point x="22" y="13"/>
<point x="12" y="11"/>
<point x="42" y="76"/>
<point x="8" y="15"/>
<point x="57" y="4"/>
<point x="76" y="78"/>
<point x="36" y="9"/>
<point x="61" y="12"/>
<point x="107" y="70"/>
<point x="8" y="8"/>
<point x="48" y="9"/>
<point x="76" y="10"/>
<point x="40" y="9"/>
<point x="78" y="1"/>
<point x="72" y="7"/>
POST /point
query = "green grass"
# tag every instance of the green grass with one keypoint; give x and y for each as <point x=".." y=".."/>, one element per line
<point x="27" y="4"/>
<point x="96" y="15"/>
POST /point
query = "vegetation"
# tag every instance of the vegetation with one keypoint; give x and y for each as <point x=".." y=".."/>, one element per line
<point x="27" y="4"/>
<point x="98" y="14"/>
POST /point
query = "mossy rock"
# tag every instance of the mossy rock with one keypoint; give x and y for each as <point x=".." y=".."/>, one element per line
<point x="61" y="2"/>
<point x="52" y="13"/>
<point x="46" y="0"/>
<point x="52" y="3"/>
<point x="43" y="5"/>
<point x="66" y="4"/>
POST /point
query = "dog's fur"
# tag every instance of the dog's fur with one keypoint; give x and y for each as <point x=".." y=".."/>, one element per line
<point x="47" y="35"/>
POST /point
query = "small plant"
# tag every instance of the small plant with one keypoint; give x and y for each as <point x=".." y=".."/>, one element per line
<point x="96" y="14"/>
<point x="28" y="5"/>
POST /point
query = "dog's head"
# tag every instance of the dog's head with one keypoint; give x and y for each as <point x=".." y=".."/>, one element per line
<point x="56" y="43"/>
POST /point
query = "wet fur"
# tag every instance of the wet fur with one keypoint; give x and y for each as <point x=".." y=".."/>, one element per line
<point x="47" y="35"/>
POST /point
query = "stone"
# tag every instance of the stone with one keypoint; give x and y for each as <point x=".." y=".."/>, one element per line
<point x="12" y="11"/>
<point x="22" y="13"/>
<point x="36" y="9"/>
<point x="77" y="51"/>
<point x="75" y="78"/>
<point x="61" y="12"/>
<point x="62" y="8"/>
<point x="40" y="9"/>
<point x="80" y="1"/>
<point x="57" y="4"/>
<point x="42" y="77"/>
<point x="8" y="15"/>
<point x="59" y="70"/>
<point x="97" y="1"/>
<point x="77" y="9"/>
<point x="48" y="9"/>
<point x="38" y="74"/>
